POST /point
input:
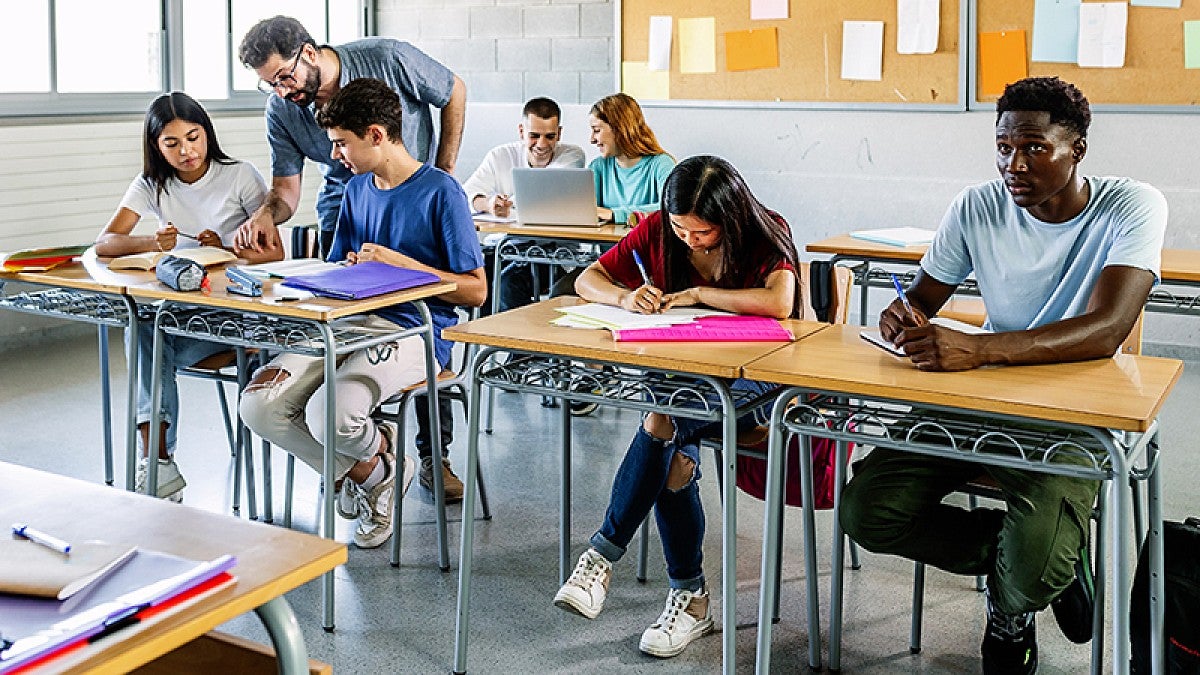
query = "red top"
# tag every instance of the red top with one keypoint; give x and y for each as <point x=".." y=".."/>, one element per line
<point x="646" y="239"/>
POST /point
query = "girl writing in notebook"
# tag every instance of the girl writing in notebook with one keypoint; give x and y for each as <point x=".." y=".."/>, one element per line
<point x="712" y="243"/>
<point x="199" y="196"/>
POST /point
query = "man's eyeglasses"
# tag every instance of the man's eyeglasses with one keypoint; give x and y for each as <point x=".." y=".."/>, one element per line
<point x="286" y="80"/>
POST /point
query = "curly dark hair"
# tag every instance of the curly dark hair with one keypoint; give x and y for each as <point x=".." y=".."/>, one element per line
<point x="360" y="104"/>
<point x="1066" y="104"/>
<point x="280" y="35"/>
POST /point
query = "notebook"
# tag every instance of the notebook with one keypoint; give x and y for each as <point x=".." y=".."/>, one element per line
<point x="712" y="329"/>
<point x="555" y="197"/>
<point x="364" y="280"/>
<point x="896" y="236"/>
<point x="204" y="255"/>
<point x="873" y="335"/>
<point x="28" y="568"/>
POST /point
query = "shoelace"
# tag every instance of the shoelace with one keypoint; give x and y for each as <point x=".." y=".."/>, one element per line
<point x="1007" y="628"/>
<point x="587" y="570"/>
<point x="677" y="602"/>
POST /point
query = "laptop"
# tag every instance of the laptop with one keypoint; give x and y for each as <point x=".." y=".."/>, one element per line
<point x="555" y="196"/>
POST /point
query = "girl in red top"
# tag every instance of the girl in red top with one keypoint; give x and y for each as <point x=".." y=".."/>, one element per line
<point x="720" y="248"/>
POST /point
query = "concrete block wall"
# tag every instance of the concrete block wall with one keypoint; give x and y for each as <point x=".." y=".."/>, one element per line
<point x="508" y="51"/>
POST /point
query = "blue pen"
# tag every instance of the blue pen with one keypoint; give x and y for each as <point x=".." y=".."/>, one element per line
<point x="50" y="542"/>
<point x="903" y="298"/>
<point x="637" y="260"/>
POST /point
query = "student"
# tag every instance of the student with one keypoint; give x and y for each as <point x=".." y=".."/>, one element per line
<point x="402" y="212"/>
<point x="632" y="166"/>
<point x="723" y="249"/>
<point x="199" y="196"/>
<point x="1064" y="263"/>
<point x="300" y="77"/>
<point x="490" y="188"/>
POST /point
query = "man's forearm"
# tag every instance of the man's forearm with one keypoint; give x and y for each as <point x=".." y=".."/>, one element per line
<point x="453" y="118"/>
<point x="277" y="207"/>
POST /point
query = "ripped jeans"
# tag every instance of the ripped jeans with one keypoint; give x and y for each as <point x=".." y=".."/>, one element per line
<point x="641" y="483"/>
<point x="289" y="411"/>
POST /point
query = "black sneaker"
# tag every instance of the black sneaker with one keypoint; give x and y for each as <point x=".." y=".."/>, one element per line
<point x="1076" y="605"/>
<point x="1009" y="644"/>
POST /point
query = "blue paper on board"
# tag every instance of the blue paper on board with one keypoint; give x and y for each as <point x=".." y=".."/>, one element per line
<point x="1173" y="4"/>
<point x="1055" y="31"/>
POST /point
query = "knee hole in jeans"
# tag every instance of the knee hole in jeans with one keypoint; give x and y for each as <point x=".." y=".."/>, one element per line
<point x="266" y="377"/>
<point x="681" y="472"/>
<point x="659" y="426"/>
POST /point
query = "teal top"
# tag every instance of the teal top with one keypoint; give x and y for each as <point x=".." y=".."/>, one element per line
<point x="638" y="188"/>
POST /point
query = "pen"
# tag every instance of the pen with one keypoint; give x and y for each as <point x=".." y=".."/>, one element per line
<point x="51" y="542"/>
<point x="637" y="260"/>
<point x="903" y="298"/>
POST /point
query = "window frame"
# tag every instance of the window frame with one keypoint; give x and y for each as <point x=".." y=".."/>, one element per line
<point x="54" y="104"/>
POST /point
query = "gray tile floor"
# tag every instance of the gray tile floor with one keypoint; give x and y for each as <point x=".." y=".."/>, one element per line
<point x="402" y="621"/>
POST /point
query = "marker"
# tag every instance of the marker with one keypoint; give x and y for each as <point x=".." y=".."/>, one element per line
<point x="903" y="298"/>
<point x="50" y="542"/>
<point x="637" y="260"/>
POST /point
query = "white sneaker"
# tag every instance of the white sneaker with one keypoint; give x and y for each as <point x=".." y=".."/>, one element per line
<point x="345" y="499"/>
<point x="677" y="626"/>
<point x="170" y="481"/>
<point x="587" y="588"/>
<point x="374" y="524"/>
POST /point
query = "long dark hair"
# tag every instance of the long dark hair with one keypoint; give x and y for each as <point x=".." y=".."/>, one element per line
<point x="164" y="110"/>
<point x="711" y="189"/>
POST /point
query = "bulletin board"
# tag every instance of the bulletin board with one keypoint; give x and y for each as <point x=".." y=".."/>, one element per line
<point x="810" y="55"/>
<point x="1153" y="77"/>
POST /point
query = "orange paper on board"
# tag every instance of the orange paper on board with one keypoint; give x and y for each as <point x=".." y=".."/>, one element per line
<point x="752" y="49"/>
<point x="1001" y="60"/>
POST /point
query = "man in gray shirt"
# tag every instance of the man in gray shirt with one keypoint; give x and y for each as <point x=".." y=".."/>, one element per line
<point x="300" y="77"/>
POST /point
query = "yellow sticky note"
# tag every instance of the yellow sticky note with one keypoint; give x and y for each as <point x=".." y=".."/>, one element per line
<point x="752" y="49"/>
<point x="1001" y="60"/>
<point x="640" y="82"/>
<point x="698" y="45"/>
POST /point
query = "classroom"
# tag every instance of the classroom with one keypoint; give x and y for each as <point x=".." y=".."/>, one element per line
<point x="825" y="154"/>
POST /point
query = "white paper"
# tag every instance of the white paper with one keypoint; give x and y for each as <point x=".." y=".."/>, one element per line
<point x="917" y="24"/>
<point x="768" y="9"/>
<point x="1102" y="34"/>
<point x="862" y="50"/>
<point x="1173" y="4"/>
<point x="660" y="43"/>
<point x="608" y="316"/>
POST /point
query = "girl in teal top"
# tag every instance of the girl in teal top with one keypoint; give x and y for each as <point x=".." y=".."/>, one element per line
<point x="632" y="166"/>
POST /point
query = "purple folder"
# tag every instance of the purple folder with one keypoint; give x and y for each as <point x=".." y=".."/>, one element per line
<point x="363" y="280"/>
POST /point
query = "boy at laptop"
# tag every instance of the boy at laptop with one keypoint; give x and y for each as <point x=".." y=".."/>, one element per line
<point x="398" y="211"/>
<point x="490" y="188"/>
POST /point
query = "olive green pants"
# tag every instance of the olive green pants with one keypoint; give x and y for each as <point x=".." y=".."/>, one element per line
<point x="894" y="505"/>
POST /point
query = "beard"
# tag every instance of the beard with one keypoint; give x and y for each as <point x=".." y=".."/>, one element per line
<point x="305" y="95"/>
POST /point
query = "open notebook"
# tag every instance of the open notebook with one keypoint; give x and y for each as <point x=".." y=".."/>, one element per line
<point x="204" y="255"/>
<point x="873" y="336"/>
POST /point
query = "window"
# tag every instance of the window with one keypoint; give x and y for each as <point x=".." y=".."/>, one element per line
<point x="83" y="56"/>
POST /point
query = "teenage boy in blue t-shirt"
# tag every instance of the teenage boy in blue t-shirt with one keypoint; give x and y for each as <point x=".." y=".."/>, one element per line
<point x="1064" y="264"/>
<point x="398" y="211"/>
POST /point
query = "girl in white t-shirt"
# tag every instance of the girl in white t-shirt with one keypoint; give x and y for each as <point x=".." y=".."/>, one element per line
<point x="199" y="196"/>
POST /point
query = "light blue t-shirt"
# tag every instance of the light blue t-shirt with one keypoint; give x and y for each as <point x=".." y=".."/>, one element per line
<point x="1032" y="273"/>
<point x="420" y="81"/>
<point x="638" y="188"/>
<point x="426" y="218"/>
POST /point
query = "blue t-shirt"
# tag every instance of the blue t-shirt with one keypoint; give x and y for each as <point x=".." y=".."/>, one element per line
<point x="638" y="188"/>
<point x="294" y="135"/>
<point x="426" y="218"/>
<point x="1032" y="273"/>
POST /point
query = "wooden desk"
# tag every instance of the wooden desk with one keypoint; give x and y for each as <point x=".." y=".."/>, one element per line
<point x="610" y="233"/>
<point x="87" y="292"/>
<point x="523" y="352"/>
<point x="270" y="562"/>
<point x="306" y="327"/>
<point x="1101" y="414"/>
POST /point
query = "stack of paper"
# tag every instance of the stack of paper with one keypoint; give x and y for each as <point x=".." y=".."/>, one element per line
<point x="40" y="259"/>
<point x="286" y="268"/>
<point x="896" y="236"/>
<point x="594" y="315"/>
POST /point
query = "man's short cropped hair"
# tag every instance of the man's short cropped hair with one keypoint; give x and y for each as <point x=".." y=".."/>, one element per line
<point x="1066" y="104"/>
<point x="543" y="108"/>
<point x="360" y="104"/>
<point x="280" y="35"/>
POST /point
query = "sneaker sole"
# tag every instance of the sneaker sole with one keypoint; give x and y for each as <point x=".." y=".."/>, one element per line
<point x="572" y="605"/>
<point x="700" y="630"/>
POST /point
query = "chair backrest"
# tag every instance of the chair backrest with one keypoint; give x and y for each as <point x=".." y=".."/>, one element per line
<point x="843" y="282"/>
<point x="1133" y="342"/>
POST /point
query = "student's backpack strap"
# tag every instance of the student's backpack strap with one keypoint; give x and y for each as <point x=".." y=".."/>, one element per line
<point x="820" y="288"/>
<point x="1181" y="581"/>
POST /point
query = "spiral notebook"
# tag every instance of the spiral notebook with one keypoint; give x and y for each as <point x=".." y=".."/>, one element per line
<point x="364" y="280"/>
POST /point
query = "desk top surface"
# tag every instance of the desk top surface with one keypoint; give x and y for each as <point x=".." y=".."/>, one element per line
<point x="528" y="329"/>
<point x="1124" y="392"/>
<point x="270" y="560"/>
<point x="88" y="274"/>
<point x="605" y="233"/>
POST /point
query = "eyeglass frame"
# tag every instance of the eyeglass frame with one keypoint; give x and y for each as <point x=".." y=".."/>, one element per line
<point x="282" y="80"/>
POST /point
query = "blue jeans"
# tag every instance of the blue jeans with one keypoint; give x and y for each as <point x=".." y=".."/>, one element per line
<point x="641" y="483"/>
<point x="177" y="352"/>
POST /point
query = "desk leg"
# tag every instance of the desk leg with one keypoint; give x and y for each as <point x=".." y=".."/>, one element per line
<point x="435" y="436"/>
<point x="131" y="385"/>
<point x="155" y="403"/>
<point x="564" y="499"/>
<point x="1121" y="506"/>
<point x="291" y="654"/>
<point x="327" y="469"/>
<point x="105" y="404"/>
<point x="466" y="546"/>
<point x="1154" y="542"/>
<point x="729" y="534"/>
<point x="839" y="551"/>
<point x="497" y="264"/>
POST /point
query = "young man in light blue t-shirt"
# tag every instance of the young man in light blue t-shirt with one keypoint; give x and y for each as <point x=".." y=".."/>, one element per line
<point x="1064" y="263"/>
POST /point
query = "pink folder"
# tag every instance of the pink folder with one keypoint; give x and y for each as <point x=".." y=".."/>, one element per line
<point x="712" y="329"/>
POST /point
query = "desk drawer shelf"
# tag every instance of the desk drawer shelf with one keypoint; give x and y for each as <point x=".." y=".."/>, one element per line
<point x="548" y="254"/>
<point x="67" y="303"/>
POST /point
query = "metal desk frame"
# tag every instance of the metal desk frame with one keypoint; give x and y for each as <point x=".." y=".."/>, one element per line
<point x="967" y="435"/>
